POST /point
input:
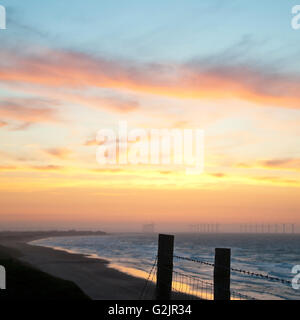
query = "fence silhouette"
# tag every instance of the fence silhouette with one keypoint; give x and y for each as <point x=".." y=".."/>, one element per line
<point x="164" y="283"/>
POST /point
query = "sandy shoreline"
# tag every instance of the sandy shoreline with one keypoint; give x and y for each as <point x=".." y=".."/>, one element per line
<point x="93" y="276"/>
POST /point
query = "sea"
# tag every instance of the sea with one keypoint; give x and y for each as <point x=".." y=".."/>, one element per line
<point x="273" y="255"/>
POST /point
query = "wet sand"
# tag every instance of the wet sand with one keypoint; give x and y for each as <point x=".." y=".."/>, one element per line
<point x="93" y="276"/>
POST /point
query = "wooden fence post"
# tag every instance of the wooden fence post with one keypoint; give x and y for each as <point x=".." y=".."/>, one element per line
<point x="164" y="267"/>
<point x="222" y="274"/>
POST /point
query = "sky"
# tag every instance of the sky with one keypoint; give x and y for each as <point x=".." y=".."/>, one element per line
<point x="71" y="68"/>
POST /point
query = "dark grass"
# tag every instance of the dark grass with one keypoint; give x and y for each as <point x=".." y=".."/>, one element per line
<point x="23" y="282"/>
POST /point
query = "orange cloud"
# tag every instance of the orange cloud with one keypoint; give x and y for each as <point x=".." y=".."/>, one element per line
<point x="3" y="124"/>
<point x="116" y="103"/>
<point x="165" y="172"/>
<point x="108" y="170"/>
<point x="7" y="168"/>
<point x="290" y="164"/>
<point x="61" y="153"/>
<point x="277" y="180"/>
<point x="281" y="163"/>
<point x="218" y="175"/>
<point x="112" y="103"/>
<point x="92" y="142"/>
<point x="27" y="110"/>
<point x="197" y="79"/>
<point x="47" y="168"/>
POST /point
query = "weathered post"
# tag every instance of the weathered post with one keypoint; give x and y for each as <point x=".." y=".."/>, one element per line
<point x="164" y="267"/>
<point x="222" y="274"/>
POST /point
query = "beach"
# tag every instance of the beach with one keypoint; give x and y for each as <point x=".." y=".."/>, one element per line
<point x="135" y="253"/>
<point x="115" y="266"/>
<point x="93" y="276"/>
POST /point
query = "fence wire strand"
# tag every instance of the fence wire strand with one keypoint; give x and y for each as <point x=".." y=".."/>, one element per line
<point x="191" y="287"/>
<point x="150" y="279"/>
<point x="246" y="272"/>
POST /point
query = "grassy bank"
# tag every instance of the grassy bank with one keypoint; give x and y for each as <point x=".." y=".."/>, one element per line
<point x="25" y="282"/>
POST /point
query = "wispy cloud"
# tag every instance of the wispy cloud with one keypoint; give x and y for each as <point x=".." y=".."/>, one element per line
<point x="277" y="180"/>
<point x="118" y="103"/>
<point x="3" y="123"/>
<point x="61" y="153"/>
<point x="108" y="170"/>
<point x="28" y="111"/>
<point x="48" y="168"/>
<point x="91" y="142"/>
<point x="115" y="103"/>
<point x="218" y="175"/>
<point x="290" y="164"/>
<point x="194" y="79"/>
<point x="7" y="168"/>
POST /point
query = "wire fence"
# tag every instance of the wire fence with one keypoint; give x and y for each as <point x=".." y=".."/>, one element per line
<point x="186" y="286"/>
<point x="246" y="272"/>
<point x="148" y="292"/>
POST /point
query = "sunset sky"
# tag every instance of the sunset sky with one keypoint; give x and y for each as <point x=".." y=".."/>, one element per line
<point x="70" y="68"/>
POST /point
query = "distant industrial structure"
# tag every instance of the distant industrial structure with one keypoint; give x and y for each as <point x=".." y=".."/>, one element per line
<point x="267" y="228"/>
<point x="204" y="227"/>
<point x="243" y="228"/>
<point x="148" y="228"/>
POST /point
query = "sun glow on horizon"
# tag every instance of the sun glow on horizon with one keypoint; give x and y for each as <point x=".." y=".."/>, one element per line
<point x="167" y="72"/>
